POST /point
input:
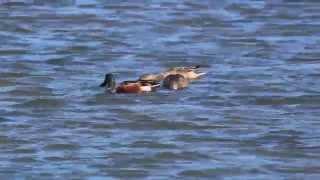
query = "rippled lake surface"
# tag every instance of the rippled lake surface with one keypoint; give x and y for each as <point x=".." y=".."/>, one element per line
<point x="255" y="115"/>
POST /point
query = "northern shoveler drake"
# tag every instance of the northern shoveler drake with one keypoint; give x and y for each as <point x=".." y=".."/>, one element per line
<point x="175" y="82"/>
<point x="138" y="86"/>
<point x="189" y="73"/>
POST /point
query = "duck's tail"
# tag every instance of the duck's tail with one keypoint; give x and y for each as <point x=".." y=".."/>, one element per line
<point x="196" y="67"/>
<point x="155" y="85"/>
<point x="192" y="67"/>
<point x="201" y="74"/>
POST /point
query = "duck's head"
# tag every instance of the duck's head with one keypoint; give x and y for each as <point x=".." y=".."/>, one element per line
<point x="109" y="81"/>
<point x="175" y="82"/>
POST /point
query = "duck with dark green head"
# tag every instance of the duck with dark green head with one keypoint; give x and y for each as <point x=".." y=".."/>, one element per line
<point x="109" y="82"/>
<point x="128" y="86"/>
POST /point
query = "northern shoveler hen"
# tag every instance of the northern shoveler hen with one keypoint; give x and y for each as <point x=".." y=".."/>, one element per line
<point x="189" y="73"/>
<point x="138" y="86"/>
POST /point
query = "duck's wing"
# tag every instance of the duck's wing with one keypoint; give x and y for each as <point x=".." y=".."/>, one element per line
<point x="149" y="83"/>
<point x="129" y="82"/>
